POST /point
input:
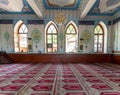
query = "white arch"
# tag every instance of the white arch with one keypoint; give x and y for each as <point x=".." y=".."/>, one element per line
<point x="47" y="27"/>
<point x="17" y="48"/>
<point x="49" y="24"/>
<point x="17" y="25"/>
<point x="73" y="24"/>
<point x="105" y="35"/>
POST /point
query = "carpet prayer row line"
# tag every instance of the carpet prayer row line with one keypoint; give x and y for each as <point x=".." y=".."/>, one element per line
<point x="60" y="79"/>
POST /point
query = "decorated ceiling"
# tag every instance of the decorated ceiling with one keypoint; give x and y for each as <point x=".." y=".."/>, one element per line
<point x="62" y="4"/>
<point x="84" y="7"/>
<point x="105" y="7"/>
<point x="4" y="2"/>
<point x="15" y="6"/>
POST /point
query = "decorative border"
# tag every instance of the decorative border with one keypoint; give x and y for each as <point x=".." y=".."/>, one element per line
<point x="6" y="21"/>
<point x="116" y="20"/>
<point x="42" y="22"/>
<point x="115" y="51"/>
<point x="35" y="21"/>
<point x="86" y="22"/>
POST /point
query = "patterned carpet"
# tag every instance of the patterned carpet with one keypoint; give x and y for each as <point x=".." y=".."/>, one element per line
<point x="60" y="79"/>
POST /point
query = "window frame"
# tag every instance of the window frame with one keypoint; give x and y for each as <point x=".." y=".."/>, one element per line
<point x="52" y="38"/>
<point x="69" y="33"/>
<point x="98" y="35"/>
<point x="18" y="33"/>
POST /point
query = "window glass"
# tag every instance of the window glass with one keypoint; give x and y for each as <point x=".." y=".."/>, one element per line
<point x="51" y="37"/>
<point x="71" y="39"/>
<point x="20" y="39"/>
<point x="98" y="39"/>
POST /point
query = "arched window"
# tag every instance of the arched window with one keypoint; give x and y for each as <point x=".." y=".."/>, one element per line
<point x="51" y="38"/>
<point x="98" y="39"/>
<point x="20" y="37"/>
<point x="71" y="38"/>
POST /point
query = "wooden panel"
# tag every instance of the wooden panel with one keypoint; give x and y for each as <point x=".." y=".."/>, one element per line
<point x="61" y="58"/>
<point x="116" y="58"/>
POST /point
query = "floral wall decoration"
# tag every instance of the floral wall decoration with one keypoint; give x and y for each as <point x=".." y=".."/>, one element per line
<point x="86" y="36"/>
<point x="61" y="36"/>
<point x="7" y="36"/>
<point x="36" y="36"/>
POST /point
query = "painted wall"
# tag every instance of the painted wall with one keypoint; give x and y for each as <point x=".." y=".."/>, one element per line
<point x="7" y="37"/>
<point x="116" y="37"/>
<point x="40" y="46"/>
<point x="87" y="47"/>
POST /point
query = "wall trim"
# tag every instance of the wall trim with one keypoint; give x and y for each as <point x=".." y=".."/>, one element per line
<point x="116" y="20"/>
<point x="86" y="22"/>
<point x="6" y="21"/>
<point x="35" y="21"/>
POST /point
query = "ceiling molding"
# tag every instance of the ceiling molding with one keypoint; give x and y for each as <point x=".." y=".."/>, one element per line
<point x="5" y="7"/>
<point x="19" y="16"/>
<point x="35" y="7"/>
<point x="87" y="8"/>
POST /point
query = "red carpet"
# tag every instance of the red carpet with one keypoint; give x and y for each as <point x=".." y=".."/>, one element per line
<point x="59" y="79"/>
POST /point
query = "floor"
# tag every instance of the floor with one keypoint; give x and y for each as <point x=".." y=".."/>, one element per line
<point x="60" y="79"/>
